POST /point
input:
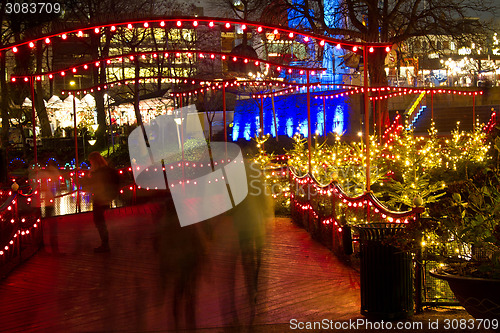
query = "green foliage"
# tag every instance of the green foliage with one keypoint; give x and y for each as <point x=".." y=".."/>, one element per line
<point x="194" y="149"/>
<point x="469" y="217"/>
<point x="299" y="155"/>
<point x="341" y="161"/>
<point x="263" y="159"/>
<point x="414" y="159"/>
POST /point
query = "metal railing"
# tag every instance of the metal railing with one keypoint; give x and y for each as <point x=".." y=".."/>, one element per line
<point x="20" y="228"/>
<point x="328" y="213"/>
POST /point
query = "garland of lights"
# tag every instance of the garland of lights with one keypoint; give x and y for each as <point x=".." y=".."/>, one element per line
<point x="165" y="53"/>
<point x="405" y="91"/>
<point x="365" y="200"/>
<point x="492" y="122"/>
<point x="21" y="226"/>
<point x="195" y="22"/>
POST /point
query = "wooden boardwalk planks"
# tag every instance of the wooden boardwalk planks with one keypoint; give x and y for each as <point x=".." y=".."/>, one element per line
<point x="78" y="290"/>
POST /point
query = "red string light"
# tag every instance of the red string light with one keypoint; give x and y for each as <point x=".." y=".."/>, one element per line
<point x="211" y="23"/>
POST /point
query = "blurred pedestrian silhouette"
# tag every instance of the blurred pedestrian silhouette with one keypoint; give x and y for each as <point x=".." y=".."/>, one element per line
<point x="249" y="219"/>
<point x="104" y="183"/>
<point x="181" y="253"/>
<point x="49" y="187"/>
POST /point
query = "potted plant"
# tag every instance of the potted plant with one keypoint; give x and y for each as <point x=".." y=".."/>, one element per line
<point x="464" y="235"/>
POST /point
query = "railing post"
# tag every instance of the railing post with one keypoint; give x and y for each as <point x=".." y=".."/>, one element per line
<point x="418" y="271"/>
<point x="334" y="218"/>
<point x="17" y="221"/>
<point x="308" y="200"/>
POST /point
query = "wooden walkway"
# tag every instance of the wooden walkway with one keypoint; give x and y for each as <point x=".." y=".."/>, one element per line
<point x="79" y="291"/>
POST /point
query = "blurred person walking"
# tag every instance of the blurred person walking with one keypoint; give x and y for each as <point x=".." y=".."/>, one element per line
<point x="104" y="183"/>
<point x="49" y="188"/>
<point x="182" y="251"/>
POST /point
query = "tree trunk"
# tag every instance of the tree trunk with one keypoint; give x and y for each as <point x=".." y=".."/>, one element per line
<point x="99" y="94"/>
<point x="137" y="92"/>
<point x="4" y="106"/>
<point x="378" y="78"/>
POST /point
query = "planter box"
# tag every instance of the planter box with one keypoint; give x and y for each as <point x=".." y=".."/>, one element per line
<point x="480" y="297"/>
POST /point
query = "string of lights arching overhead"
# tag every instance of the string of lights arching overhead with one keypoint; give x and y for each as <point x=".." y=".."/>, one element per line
<point x="285" y="87"/>
<point x="195" y="22"/>
<point x="223" y="56"/>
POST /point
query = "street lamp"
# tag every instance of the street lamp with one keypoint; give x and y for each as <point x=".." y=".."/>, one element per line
<point x="91" y="141"/>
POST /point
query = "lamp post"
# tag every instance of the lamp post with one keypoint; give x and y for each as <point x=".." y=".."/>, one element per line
<point x="309" y="127"/>
<point x="75" y="131"/>
<point x="367" y="115"/>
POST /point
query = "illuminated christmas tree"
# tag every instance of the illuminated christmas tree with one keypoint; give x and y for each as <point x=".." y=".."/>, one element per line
<point x="412" y="160"/>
